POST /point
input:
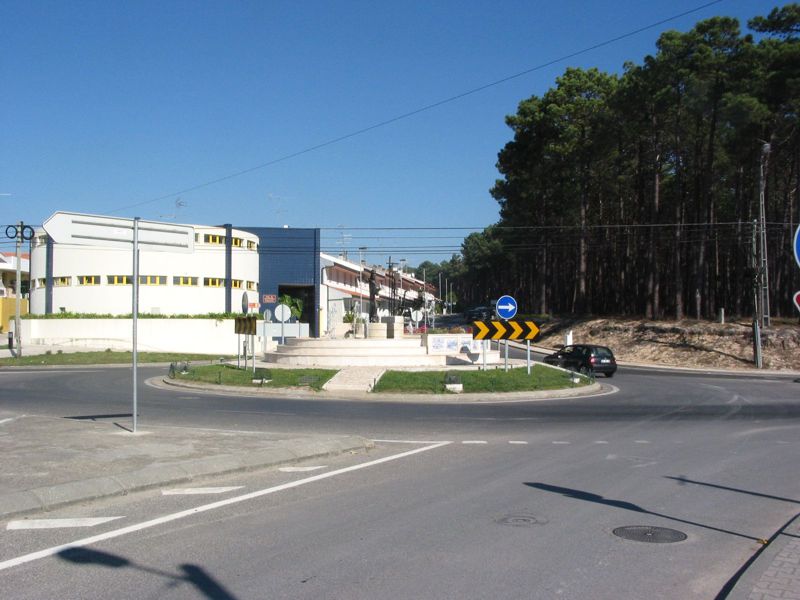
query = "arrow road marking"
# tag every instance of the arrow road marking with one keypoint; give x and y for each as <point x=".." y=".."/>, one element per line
<point x="201" y="490"/>
<point x="58" y="523"/>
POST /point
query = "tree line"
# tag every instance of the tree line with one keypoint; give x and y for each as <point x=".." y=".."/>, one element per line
<point x="636" y="194"/>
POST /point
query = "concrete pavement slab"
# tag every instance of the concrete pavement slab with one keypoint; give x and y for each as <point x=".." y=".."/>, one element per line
<point x="50" y="462"/>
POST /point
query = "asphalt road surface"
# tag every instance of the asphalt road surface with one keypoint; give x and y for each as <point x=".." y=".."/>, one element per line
<point x="503" y="500"/>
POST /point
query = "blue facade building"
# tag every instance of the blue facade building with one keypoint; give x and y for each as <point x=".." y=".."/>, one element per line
<point x="289" y="263"/>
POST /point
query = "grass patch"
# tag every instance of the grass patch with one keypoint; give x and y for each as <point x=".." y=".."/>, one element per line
<point x="107" y="357"/>
<point x="277" y="378"/>
<point x="489" y="381"/>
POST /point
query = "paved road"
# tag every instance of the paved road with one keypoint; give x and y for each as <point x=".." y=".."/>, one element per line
<point x="456" y="501"/>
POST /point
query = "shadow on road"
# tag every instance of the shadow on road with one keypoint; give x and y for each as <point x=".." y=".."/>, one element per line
<point x="192" y="574"/>
<point x="597" y="499"/>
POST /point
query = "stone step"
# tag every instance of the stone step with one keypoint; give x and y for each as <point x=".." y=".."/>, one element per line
<point x="301" y="351"/>
<point x="354" y="379"/>
<point x="349" y="343"/>
<point x="337" y="360"/>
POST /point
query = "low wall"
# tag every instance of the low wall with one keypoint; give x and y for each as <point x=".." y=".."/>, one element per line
<point x="203" y="336"/>
<point x="8" y="311"/>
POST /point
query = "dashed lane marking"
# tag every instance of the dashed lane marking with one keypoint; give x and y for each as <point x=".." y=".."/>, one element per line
<point x="562" y="442"/>
<point x="517" y="442"/>
<point x="642" y="442"/>
<point x="299" y="469"/>
<point x="200" y="490"/>
<point x="411" y="441"/>
<point x="474" y="442"/>
<point x="58" y="523"/>
<point x="52" y="551"/>
<point x="600" y="442"/>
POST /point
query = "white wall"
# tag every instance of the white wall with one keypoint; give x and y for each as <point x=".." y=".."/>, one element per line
<point x="202" y="336"/>
<point x="207" y="260"/>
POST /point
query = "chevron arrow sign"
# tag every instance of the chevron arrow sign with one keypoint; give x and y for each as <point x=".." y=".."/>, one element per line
<point x="504" y="330"/>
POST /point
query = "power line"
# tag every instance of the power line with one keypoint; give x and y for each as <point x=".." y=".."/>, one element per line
<point x="422" y="109"/>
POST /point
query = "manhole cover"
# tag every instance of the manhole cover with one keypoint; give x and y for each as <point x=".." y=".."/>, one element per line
<point x="520" y="520"/>
<point x="645" y="533"/>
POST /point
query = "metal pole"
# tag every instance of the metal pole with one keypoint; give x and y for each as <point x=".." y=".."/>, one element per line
<point x="506" y="363"/>
<point x="18" y="293"/>
<point x="757" y="302"/>
<point x="763" y="269"/>
<point x="485" y="350"/>
<point x="135" y="303"/>
<point x="528" y="352"/>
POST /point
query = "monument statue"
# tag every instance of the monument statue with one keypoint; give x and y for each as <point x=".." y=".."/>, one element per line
<point x="373" y="293"/>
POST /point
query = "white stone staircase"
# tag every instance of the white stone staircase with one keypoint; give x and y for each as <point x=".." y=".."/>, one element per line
<point x="402" y="352"/>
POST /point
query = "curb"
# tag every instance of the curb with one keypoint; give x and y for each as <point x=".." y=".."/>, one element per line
<point x="747" y="582"/>
<point x="289" y="451"/>
<point x="594" y="389"/>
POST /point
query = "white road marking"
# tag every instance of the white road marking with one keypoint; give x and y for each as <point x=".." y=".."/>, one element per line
<point x="58" y="523"/>
<point x="7" y="420"/>
<point x="516" y="442"/>
<point x="647" y="464"/>
<point x="611" y="457"/>
<point x="600" y="442"/>
<point x="562" y="442"/>
<point x="474" y="442"/>
<point x="200" y="490"/>
<point x="642" y="442"/>
<point x="300" y="469"/>
<point x="410" y="441"/>
<point x="26" y="558"/>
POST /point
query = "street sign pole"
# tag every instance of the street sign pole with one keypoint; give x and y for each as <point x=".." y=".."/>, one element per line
<point x="506" y="361"/>
<point x="528" y="352"/>
<point x="485" y="349"/>
<point x="135" y="311"/>
<point x="116" y="232"/>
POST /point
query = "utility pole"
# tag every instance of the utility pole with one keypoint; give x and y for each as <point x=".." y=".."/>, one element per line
<point x="763" y="271"/>
<point x="21" y="233"/>
<point x="757" y="298"/>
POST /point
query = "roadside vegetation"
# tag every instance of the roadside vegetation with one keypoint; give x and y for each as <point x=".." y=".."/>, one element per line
<point x="107" y="357"/>
<point x="489" y="381"/>
<point x="272" y="378"/>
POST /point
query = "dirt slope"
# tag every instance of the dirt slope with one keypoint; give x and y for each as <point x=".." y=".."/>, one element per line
<point x="682" y="343"/>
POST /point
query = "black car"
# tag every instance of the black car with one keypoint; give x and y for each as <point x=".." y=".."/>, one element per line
<point x="585" y="359"/>
<point x="478" y="313"/>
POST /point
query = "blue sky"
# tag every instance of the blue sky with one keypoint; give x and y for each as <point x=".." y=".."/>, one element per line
<point x="113" y="107"/>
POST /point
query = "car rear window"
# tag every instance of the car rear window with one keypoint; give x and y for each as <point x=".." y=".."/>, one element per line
<point x="603" y="352"/>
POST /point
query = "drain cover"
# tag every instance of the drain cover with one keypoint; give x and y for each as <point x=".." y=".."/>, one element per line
<point x="654" y="535"/>
<point x="520" y="520"/>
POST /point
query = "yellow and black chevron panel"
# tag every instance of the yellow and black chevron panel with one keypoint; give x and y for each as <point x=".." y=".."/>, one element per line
<point x="245" y="325"/>
<point x="504" y="330"/>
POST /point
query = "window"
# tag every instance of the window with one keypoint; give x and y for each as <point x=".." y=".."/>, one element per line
<point x="213" y="239"/>
<point x="119" y="280"/>
<point x="213" y="281"/>
<point x="88" y="279"/>
<point x="181" y="280"/>
<point x="40" y="283"/>
<point x="252" y="245"/>
<point x="252" y="286"/>
<point x="62" y="281"/>
<point x="236" y="284"/>
<point x="237" y="242"/>
<point x="152" y="280"/>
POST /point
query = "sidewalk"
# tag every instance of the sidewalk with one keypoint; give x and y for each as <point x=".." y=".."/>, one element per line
<point x="775" y="572"/>
<point x="50" y="462"/>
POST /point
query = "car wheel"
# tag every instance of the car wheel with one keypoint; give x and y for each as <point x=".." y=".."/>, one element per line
<point x="585" y="371"/>
<point x="610" y="374"/>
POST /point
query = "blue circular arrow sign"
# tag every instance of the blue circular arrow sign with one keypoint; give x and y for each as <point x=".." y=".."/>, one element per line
<point x="506" y="308"/>
<point x="797" y="245"/>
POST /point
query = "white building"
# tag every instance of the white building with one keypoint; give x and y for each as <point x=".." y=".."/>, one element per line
<point x="345" y="290"/>
<point x="223" y="268"/>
